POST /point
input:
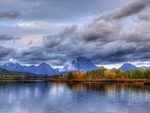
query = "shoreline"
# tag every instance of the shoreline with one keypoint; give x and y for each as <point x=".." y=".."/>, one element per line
<point x="63" y="80"/>
<point x="142" y="81"/>
<point x="23" y="79"/>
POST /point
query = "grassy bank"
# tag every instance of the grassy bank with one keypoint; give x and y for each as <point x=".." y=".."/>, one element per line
<point x="63" y="80"/>
<point x="20" y="79"/>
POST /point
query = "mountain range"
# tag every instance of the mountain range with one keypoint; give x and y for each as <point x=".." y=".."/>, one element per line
<point x="80" y="64"/>
<point x="40" y="70"/>
<point x="16" y="73"/>
<point x="129" y="66"/>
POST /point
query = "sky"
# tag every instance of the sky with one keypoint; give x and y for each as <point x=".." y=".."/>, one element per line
<point x="109" y="32"/>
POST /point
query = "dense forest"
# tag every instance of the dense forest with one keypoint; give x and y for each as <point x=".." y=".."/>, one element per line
<point x="103" y="73"/>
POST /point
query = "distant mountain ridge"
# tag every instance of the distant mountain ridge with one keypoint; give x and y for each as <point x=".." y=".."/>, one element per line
<point x="81" y="64"/>
<point x="40" y="70"/>
<point x="127" y="66"/>
<point x="13" y="67"/>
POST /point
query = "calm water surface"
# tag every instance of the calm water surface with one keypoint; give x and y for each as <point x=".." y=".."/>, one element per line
<point x="43" y="97"/>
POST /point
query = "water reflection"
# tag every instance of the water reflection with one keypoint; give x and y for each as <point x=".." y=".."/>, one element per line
<point x="105" y="87"/>
<point x="125" y="93"/>
<point x="43" y="97"/>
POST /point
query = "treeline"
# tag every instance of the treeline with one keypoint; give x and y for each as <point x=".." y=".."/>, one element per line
<point x="16" y="75"/>
<point x="12" y="76"/>
<point x="19" y="76"/>
<point x="103" y="73"/>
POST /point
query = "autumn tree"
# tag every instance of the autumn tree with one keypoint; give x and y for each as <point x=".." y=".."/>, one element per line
<point x="70" y="75"/>
<point x="119" y="73"/>
<point x="110" y="74"/>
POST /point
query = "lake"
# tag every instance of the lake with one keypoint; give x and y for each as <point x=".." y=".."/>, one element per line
<point x="46" y="97"/>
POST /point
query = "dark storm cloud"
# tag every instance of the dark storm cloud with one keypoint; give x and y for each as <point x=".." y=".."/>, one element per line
<point x="10" y="14"/>
<point x="101" y="40"/>
<point x="32" y="55"/>
<point x="144" y="16"/>
<point x="63" y="38"/>
<point x="101" y="31"/>
<point x="116" y="44"/>
<point x="122" y="52"/>
<point x="34" y="51"/>
<point x="8" y="38"/>
<point x="4" y="51"/>
<point x="133" y="7"/>
<point x="37" y="55"/>
<point x="56" y="48"/>
<point x="133" y="45"/>
<point x="71" y="43"/>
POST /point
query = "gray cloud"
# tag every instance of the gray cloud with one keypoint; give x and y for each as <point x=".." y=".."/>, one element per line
<point x="144" y="16"/>
<point x="71" y="43"/>
<point x="51" y="10"/>
<point x="117" y="45"/>
<point x="4" y="51"/>
<point x="68" y="34"/>
<point x="133" y="7"/>
<point x="133" y="45"/>
<point x="10" y="14"/>
<point x="15" y="39"/>
<point x="4" y="38"/>
<point x="102" y="40"/>
<point x="137" y="33"/>
<point x="33" y="55"/>
<point x="30" y="43"/>
<point x="101" y="31"/>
